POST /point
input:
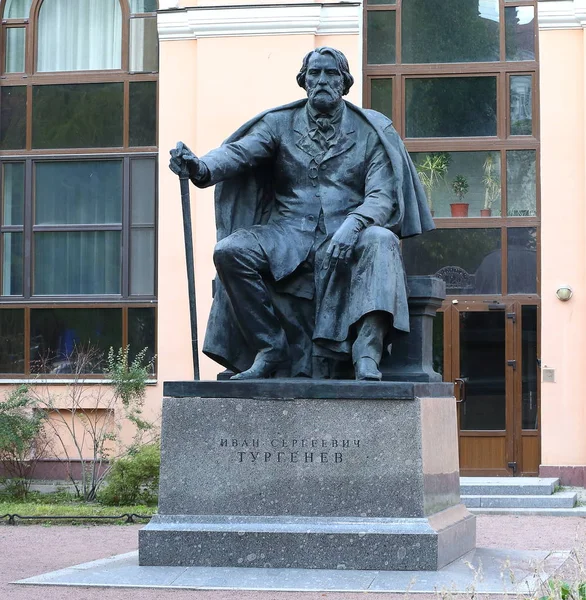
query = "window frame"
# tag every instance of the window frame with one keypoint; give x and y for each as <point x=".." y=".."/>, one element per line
<point x="502" y="142"/>
<point x="28" y="155"/>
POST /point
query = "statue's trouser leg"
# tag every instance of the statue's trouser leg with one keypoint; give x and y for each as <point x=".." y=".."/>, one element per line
<point x="371" y="330"/>
<point x="240" y="263"/>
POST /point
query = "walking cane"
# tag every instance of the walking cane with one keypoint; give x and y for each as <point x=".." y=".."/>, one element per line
<point x="186" y="206"/>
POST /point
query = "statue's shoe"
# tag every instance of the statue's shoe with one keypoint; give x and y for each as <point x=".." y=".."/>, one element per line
<point x="261" y="369"/>
<point x="366" y="369"/>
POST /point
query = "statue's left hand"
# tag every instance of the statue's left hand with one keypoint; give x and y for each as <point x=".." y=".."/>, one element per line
<point x="343" y="242"/>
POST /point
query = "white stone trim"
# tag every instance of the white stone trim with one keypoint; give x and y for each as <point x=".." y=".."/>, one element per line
<point x="292" y="19"/>
<point x="562" y="14"/>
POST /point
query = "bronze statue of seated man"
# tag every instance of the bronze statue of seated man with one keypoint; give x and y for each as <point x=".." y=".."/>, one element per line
<point x="311" y="200"/>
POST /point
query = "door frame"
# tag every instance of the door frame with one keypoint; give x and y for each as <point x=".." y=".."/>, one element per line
<point x="517" y="440"/>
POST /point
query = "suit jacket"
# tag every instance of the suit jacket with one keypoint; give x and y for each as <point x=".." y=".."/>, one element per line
<point x="354" y="176"/>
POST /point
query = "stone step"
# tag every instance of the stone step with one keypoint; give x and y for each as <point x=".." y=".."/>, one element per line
<point x="514" y="486"/>
<point x="577" y="511"/>
<point x="557" y="500"/>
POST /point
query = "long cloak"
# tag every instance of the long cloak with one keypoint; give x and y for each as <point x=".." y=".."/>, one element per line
<point x="246" y="200"/>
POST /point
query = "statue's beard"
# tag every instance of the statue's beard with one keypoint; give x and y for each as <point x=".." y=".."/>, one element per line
<point x="324" y="101"/>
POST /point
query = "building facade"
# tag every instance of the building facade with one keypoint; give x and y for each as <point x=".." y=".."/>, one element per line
<point x="488" y="95"/>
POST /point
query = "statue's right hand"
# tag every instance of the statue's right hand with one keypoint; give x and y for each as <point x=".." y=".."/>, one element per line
<point x="183" y="159"/>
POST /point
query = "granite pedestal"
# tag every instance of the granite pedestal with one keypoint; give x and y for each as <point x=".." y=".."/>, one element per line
<point x="308" y="474"/>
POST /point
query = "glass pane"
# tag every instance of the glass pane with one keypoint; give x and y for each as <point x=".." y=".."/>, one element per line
<point x="143" y="113"/>
<point x="529" y="374"/>
<point x="450" y="106"/>
<point x="142" y="262"/>
<point x="381" y="96"/>
<point x="143" y="6"/>
<point x="522" y="260"/>
<point x="66" y="340"/>
<point x="14" y="62"/>
<point x="482" y="366"/>
<point x="381" y="37"/>
<point x="481" y="172"/>
<point x="438" y="343"/>
<point x="83" y="192"/>
<point x="13" y="196"/>
<point x="142" y="191"/>
<point x="425" y="27"/>
<point x="12" y="340"/>
<point x="17" y="9"/>
<point x="12" y="118"/>
<point x="77" y="262"/>
<point x="141" y="332"/>
<point x="82" y="115"/>
<point x="468" y="260"/>
<point x="144" y="45"/>
<point x="12" y="264"/>
<point x="520" y="32"/>
<point x="521" y="100"/>
<point x="79" y="35"/>
<point x="521" y="183"/>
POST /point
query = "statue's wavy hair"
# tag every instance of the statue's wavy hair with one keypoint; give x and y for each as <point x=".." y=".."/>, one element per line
<point x="341" y="62"/>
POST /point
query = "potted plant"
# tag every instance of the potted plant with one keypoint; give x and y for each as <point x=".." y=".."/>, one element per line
<point x="460" y="187"/>
<point x="431" y="170"/>
<point x="492" y="185"/>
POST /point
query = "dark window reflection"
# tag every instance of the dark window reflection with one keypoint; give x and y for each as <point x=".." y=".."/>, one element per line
<point x="529" y="375"/>
<point x="450" y="106"/>
<point x="482" y="366"/>
<point x="78" y="192"/>
<point x="521" y="100"/>
<point x="426" y="23"/>
<point x="468" y="260"/>
<point x="12" y="263"/>
<point x="381" y="96"/>
<point x="521" y="183"/>
<point x="520" y="33"/>
<point x="141" y="332"/>
<point x="438" y="343"/>
<point x="13" y="194"/>
<point x="380" y="48"/>
<point x="12" y="118"/>
<point x="12" y="340"/>
<point x="89" y="262"/>
<point x="87" y="115"/>
<point x="143" y="113"/>
<point x="73" y="340"/>
<point x="522" y="260"/>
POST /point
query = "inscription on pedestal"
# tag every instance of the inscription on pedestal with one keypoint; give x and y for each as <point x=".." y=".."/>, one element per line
<point x="289" y="450"/>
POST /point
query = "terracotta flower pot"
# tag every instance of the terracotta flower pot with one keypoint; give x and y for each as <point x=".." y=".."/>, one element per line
<point x="485" y="212"/>
<point x="459" y="209"/>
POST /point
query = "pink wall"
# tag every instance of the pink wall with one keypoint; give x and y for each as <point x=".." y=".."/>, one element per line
<point x="563" y="246"/>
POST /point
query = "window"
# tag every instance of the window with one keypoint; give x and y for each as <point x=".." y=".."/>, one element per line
<point x="458" y="79"/>
<point x="77" y="181"/>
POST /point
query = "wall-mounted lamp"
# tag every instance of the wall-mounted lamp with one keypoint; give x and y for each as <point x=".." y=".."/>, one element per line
<point x="564" y="293"/>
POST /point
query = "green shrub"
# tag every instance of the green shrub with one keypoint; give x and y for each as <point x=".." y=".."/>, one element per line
<point x="134" y="479"/>
<point x="22" y="440"/>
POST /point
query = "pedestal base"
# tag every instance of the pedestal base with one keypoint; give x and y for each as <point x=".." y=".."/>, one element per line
<point x="254" y="481"/>
<point x="425" y="544"/>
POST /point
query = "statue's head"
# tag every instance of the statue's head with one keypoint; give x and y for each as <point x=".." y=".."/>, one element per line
<point x="325" y="76"/>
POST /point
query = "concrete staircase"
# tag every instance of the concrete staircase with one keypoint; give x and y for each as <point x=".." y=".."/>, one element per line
<point x="519" y="496"/>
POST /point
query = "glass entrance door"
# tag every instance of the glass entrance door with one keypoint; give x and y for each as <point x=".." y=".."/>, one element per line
<point x="482" y="379"/>
<point x="490" y="353"/>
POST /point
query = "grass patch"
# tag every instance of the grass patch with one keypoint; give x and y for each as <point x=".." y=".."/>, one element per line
<point x="65" y="505"/>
